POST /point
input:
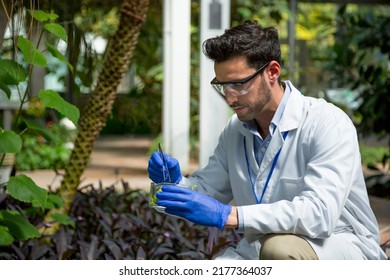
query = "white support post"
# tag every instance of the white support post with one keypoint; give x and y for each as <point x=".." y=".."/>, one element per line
<point x="176" y="91"/>
<point x="214" y="112"/>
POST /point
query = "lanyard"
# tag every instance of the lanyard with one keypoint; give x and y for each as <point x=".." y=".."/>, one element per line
<point x="270" y="172"/>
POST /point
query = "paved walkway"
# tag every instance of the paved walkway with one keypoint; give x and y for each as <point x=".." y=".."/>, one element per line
<point x="113" y="159"/>
<point x="126" y="158"/>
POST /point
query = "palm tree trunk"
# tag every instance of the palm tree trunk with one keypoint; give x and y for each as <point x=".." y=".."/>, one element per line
<point x="117" y="60"/>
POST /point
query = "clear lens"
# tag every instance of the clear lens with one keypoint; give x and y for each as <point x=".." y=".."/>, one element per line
<point x="236" y="90"/>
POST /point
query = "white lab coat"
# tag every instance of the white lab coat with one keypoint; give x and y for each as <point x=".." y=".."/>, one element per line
<point x="317" y="189"/>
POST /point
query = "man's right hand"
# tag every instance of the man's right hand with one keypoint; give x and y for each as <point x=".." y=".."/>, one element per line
<point x="157" y="169"/>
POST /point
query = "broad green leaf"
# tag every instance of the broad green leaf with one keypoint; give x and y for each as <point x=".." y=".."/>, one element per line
<point x="63" y="219"/>
<point x="11" y="73"/>
<point x="10" y="142"/>
<point x="18" y="226"/>
<point x="42" y="16"/>
<point x="6" y="89"/>
<point x="56" y="200"/>
<point x="40" y="129"/>
<point x="24" y="189"/>
<point x="31" y="54"/>
<point x="57" y="30"/>
<point x="53" y="100"/>
<point x="53" y="201"/>
<point x="47" y="206"/>
<point x="56" y="53"/>
<point x="5" y="237"/>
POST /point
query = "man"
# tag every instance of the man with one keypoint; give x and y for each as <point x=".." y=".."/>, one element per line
<point x="290" y="163"/>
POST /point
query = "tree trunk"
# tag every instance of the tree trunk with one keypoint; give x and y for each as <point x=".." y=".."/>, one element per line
<point x="117" y="60"/>
<point x="5" y="17"/>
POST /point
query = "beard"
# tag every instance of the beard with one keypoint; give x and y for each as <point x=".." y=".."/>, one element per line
<point x="254" y="109"/>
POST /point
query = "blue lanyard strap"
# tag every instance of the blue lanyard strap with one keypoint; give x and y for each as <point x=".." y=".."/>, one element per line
<point x="270" y="172"/>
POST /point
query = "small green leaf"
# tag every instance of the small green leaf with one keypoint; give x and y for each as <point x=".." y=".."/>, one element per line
<point x="57" y="30"/>
<point x="56" y="53"/>
<point x="63" y="219"/>
<point x="11" y="73"/>
<point x="24" y="189"/>
<point x="6" y="89"/>
<point x="53" y="201"/>
<point x="31" y="54"/>
<point x="42" y="16"/>
<point x="10" y="142"/>
<point x="18" y="226"/>
<point x="47" y="206"/>
<point x="39" y="15"/>
<point x="5" y="237"/>
<point x="53" y="100"/>
<point x="56" y="200"/>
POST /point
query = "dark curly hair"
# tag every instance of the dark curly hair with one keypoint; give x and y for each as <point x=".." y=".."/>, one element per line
<point x="259" y="45"/>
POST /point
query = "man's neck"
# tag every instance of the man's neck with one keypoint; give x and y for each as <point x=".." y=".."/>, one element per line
<point x="264" y="121"/>
<point x="263" y="130"/>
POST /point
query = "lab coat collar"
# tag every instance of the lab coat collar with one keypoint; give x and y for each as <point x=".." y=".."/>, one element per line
<point x="292" y="114"/>
<point x="290" y="120"/>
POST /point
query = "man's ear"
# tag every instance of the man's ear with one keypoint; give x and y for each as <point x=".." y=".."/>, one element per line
<point x="273" y="71"/>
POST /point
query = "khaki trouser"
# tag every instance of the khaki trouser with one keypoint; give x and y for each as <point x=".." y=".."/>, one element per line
<point x="286" y="247"/>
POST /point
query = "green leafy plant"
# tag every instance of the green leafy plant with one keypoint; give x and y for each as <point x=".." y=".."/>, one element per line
<point x="120" y="225"/>
<point x="361" y="57"/>
<point x="372" y="155"/>
<point x="13" y="73"/>
<point x="39" y="153"/>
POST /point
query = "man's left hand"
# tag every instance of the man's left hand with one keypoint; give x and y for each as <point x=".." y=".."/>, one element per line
<point x="193" y="206"/>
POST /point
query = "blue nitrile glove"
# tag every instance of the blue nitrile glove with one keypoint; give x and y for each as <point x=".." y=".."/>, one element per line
<point x="193" y="206"/>
<point x="156" y="168"/>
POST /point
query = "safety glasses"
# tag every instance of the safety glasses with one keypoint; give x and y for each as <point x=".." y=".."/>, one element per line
<point x="237" y="88"/>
